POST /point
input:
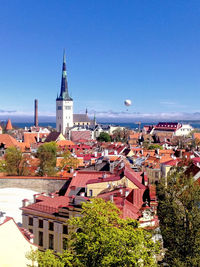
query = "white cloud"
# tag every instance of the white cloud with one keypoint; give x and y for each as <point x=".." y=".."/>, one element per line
<point x="146" y="116"/>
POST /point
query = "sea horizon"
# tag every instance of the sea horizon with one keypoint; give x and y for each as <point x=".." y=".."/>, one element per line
<point x="130" y="125"/>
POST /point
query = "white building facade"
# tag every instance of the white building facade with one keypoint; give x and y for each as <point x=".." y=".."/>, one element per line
<point x="184" y="130"/>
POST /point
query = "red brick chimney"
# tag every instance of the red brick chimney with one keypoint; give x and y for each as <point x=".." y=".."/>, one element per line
<point x="36" y="113"/>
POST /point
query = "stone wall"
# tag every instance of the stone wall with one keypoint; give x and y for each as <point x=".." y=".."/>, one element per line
<point x="40" y="185"/>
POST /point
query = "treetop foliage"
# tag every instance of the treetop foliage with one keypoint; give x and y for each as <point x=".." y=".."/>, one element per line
<point x="47" y="156"/>
<point x="101" y="238"/>
<point x="15" y="163"/>
<point x="104" y="137"/>
<point x="179" y="217"/>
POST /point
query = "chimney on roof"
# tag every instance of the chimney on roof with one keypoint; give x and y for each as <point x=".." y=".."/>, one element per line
<point x="104" y="175"/>
<point x="36" y="113"/>
<point x="34" y="197"/>
<point x="111" y="198"/>
<point x="25" y="202"/>
<point x="51" y="195"/>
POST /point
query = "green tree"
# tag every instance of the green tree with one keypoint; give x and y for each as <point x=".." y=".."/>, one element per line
<point x="100" y="238"/>
<point x="104" y="137"/>
<point x="2" y="165"/>
<point x="68" y="161"/>
<point x="47" y="259"/>
<point x="179" y="216"/>
<point x="47" y="156"/>
<point x="121" y="135"/>
<point x="15" y="163"/>
<point x="104" y="239"/>
<point x="155" y="146"/>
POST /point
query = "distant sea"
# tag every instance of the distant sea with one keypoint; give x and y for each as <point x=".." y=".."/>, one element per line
<point x="122" y="124"/>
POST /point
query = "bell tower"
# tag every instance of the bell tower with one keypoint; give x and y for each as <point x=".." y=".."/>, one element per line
<point x="64" y="104"/>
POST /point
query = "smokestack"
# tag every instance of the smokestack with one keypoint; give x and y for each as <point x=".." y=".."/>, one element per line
<point x="36" y="113"/>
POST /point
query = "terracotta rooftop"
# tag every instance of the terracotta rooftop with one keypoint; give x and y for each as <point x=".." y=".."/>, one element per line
<point x="134" y="177"/>
<point x="168" y="126"/>
<point x="104" y="179"/>
<point x="196" y="136"/>
<point x="49" y="205"/>
<point x="65" y="143"/>
<point x="8" y="140"/>
<point x="8" y="125"/>
<point x="82" y="177"/>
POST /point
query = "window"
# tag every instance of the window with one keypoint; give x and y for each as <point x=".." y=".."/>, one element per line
<point x="50" y="241"/>
<point x="59" y="107"/>
<point x="41" y="239"/>
<point x="30" y="221"/>
<point x="68" y="107"/>
<point x="156" y="175"/>
<point x="51" y="226"/>
<point x="65" y="229"/>
<point x="90" y="192"/>
<point x="64" y="243"/>
<point x="40" y="223"/>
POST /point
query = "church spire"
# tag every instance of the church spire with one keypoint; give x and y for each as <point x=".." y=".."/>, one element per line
<point x="64" y="94"/>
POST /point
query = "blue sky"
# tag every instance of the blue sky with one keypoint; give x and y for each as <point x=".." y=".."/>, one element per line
<point x="146" y="50"/>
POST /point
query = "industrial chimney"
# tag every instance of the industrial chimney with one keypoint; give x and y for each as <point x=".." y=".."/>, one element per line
<point x="36" y="113"/>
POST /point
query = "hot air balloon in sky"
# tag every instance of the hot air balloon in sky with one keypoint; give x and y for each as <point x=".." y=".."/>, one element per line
<point x="127" y="102"/>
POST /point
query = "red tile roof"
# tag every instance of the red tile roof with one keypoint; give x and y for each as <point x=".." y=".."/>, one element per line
<point x="106" y="179"/>
<point x="129" y="205"/>
<point x="196" y="160"/>
<point x="65" y="143"/>
<point x="8" y="140"/>
<point x="49" y="205"/>
<point x="8" y="125"/>
<point x="173" y="162"/>
<point x="196" y="136"/>
<point x="168" y="126"/>
<point x="82" y="177"/>
<point x="78" y="135"/>
<point x="31" y="138"/>
<point x="134" y="177"/>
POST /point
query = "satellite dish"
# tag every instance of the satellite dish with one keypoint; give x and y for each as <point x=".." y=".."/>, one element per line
<point x="127" y="102"/>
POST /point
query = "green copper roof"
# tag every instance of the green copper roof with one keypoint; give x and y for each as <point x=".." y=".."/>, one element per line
<point x="64" y="94"/>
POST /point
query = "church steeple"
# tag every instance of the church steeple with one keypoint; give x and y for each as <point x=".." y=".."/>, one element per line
<point x="64" y="94"/>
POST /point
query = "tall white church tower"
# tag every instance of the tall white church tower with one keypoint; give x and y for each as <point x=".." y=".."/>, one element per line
<point x="64" y="104"/>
